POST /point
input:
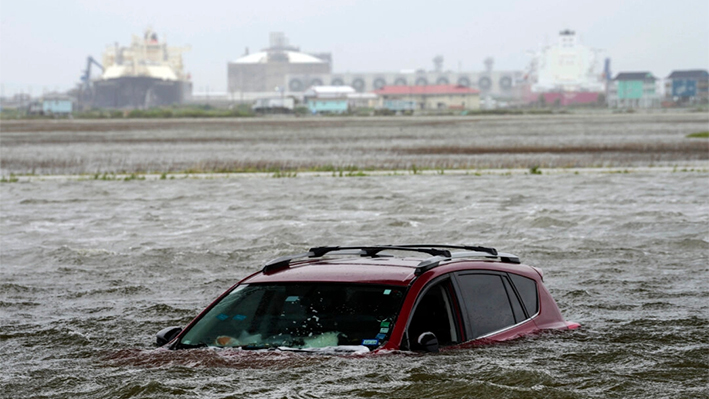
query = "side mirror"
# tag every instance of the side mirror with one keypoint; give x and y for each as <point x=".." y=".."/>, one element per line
<point x="428" y="342"/>
<point x="166" y="335"/>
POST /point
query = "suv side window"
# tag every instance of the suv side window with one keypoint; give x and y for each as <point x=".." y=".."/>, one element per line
<point x="486" y="303"/>
<point x="527" y="289"/>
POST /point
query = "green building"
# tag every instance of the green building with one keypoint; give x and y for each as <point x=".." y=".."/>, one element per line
<point x="328" y="99"/>
<point x="633" y="90"/>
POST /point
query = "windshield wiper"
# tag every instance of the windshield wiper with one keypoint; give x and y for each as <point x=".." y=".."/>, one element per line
<point x="251" y="347"/>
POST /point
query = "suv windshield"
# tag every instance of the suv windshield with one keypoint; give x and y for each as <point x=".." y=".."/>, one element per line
<point x="299" y="315"/>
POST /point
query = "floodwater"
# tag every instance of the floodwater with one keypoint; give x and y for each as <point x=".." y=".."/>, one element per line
<point x="91" y="270"/>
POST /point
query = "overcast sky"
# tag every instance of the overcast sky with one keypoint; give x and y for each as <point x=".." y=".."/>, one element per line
<point x="44" y="44"/>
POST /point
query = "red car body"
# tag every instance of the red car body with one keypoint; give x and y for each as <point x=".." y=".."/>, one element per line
<point x="455" y="275"/>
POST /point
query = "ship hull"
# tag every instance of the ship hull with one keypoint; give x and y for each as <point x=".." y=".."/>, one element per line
<point x="564" y="98"/>
<point x="139" y="92"/>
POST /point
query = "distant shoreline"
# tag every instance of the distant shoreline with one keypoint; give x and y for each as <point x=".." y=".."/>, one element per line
<point x="305" y="121"/>
<point x="702" y="167"/>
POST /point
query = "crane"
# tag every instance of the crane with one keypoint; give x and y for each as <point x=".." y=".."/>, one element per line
<point x="85" y="85"/>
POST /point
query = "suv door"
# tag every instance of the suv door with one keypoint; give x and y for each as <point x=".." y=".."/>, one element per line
<point x="437" y="310"/>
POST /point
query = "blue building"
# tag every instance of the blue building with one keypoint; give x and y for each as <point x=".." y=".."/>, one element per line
<point x="328" y="105"/>
<point x="399" y="105"/>
<point x="328" y="99"/>
<point x="688" y="87"/>
<point x="56" y="104"/>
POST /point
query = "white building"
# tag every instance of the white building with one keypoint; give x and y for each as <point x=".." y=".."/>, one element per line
<point x="265" y="70"/>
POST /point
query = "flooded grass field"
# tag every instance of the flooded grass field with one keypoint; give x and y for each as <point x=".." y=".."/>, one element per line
<point x="326" y="144"/>
<point x="90" y="270"/>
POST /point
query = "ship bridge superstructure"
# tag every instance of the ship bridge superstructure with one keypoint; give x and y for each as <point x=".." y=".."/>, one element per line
<point x="566" y="66"/>
<point x="146" y="56"/>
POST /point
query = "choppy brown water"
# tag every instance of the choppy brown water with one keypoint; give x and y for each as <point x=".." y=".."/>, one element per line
<point x="90" y="270"/>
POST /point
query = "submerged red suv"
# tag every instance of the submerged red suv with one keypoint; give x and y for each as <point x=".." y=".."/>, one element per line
<point x="373" y="298"/>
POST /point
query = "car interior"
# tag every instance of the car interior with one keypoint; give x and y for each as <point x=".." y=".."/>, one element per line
<point x="434" y="313"/>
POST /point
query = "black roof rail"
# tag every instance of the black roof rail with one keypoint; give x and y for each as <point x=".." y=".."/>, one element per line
<point x="372" y="251"/>
<point x="477" y="248"/>
<point x="435" y="261"/>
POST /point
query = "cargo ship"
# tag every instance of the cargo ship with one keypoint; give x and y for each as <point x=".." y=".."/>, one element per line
<point x="146" y="74"/>
<point x="566" y="72"/>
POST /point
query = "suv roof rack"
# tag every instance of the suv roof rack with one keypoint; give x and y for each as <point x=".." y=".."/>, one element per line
<point x="438" y="255"/>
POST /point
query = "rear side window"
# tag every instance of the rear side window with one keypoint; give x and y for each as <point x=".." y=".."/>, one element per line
<point x="527" y="289"/>
<point x="486" y="303"/>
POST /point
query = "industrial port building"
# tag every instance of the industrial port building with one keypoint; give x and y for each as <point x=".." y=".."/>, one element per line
<point x="265" y="71"/>
<point x="285" y="68"/>
<point x="499" y="84"/>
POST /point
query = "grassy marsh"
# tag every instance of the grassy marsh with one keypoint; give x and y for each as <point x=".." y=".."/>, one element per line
<point x="699" y="135"/>
<point x="349" y="146"/>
